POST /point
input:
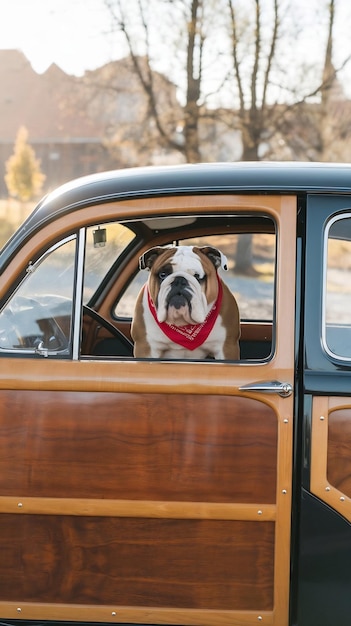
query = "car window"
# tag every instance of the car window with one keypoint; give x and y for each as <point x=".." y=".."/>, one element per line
<point x="250" y="274"/>
<point x="337" y="288"/>
<point x="38" y="317"/>
<point x="112" y="281"/>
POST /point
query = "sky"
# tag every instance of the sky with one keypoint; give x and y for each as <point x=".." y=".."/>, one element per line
<point x="74" y="33"/>
<point x="71" y="33"/>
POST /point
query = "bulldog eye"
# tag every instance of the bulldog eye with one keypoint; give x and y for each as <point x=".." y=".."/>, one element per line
<point x="162" y="275"/>
<point x="199" y="278"/>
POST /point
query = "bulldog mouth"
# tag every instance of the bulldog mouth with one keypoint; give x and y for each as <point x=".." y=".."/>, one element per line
<point x="179" y="310"/>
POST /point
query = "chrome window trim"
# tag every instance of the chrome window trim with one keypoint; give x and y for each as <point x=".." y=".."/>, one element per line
<point x="31" y="267"/>
<point x="327" y="350"/>
<point x="78" y="294"/>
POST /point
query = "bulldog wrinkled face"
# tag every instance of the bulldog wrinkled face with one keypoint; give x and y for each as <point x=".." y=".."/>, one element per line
<point x="181" y="299"/>
<point x="183" y="283"/>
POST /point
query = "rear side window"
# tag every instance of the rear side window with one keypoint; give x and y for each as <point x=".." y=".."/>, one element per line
<point x="337" y="288"/>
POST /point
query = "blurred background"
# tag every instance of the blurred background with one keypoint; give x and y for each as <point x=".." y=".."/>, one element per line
<point x="90" y="85"/>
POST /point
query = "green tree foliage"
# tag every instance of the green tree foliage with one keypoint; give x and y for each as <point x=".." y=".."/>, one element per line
<point x="23" y="178"/>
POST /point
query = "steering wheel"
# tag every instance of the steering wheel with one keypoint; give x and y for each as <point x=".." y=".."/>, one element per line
<point x="125" y="345"/>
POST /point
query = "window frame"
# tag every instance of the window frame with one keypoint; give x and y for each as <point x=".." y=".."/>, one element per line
<point x="45" y="352"/>
<point x="329" y="352"/>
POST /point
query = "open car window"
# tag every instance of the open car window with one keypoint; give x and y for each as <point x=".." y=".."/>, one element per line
<point x="250" y="275"/>
<point x="249" y="243"/>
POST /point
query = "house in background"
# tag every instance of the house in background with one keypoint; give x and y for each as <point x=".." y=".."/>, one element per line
<point x="76" y="125"/>
<point x="100" y="121"/>
<point x="68" y="142"/>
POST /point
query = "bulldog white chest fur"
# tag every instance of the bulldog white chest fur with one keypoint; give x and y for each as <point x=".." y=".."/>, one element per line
<point x="185" y="311"/>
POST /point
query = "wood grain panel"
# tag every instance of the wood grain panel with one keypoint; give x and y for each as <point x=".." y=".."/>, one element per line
<point x="160" y="563"/>
<point x="330" y="429"/>
<point x="143" y="446"/>
<point x="339" y="450"/>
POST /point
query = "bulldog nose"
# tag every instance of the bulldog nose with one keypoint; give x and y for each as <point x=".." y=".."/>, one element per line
<point x="179" y="282"/>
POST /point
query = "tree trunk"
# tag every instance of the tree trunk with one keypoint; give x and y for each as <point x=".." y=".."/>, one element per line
<point x="243" y="256"/>
<point x="191" y="112"/>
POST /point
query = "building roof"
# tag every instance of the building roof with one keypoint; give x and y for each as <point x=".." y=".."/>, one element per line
<point x="44" y="103"/>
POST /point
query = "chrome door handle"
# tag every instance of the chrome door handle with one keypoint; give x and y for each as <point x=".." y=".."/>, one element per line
<point x="270" y="386"/>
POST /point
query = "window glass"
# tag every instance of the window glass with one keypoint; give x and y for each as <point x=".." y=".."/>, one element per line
<point x="337" y="301"/>
<point x="38" y="317"/>
<point x="104" y="245"/>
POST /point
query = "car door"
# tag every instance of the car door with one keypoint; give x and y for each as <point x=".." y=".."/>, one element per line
<point x="147" y="491"/>
<point x="323" y="572"/>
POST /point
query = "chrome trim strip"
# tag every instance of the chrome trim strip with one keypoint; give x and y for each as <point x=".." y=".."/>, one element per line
<point x="77" y="319"/>
<point x="327" y="350"/>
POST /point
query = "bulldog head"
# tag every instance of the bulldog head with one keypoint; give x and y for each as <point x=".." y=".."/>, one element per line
<point x="183" y="284"/>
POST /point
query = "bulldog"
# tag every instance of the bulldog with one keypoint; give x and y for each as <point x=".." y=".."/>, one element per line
<point x="185" y="310"/>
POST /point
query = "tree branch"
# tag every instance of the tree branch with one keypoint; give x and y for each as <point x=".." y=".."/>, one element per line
<point x="255" y="68"/>
<point x="146" y="81"/>
<point x="235" y="55"/>
<point x="271" y="53"/>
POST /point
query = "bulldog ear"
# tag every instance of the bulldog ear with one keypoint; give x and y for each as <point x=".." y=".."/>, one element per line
<point x="216" y="256"/>
<point x="149" y="257"/>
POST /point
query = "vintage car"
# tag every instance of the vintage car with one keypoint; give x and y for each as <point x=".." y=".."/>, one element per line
<point x="178" y="491"/>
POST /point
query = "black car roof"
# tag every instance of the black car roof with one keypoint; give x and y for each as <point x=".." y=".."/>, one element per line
<point x="239" y="177"/>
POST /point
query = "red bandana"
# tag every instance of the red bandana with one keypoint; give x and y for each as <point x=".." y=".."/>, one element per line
<point x="190" y="336"/>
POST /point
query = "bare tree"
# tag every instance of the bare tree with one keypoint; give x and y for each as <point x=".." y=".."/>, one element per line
<point x="270" y="111"/>
<point x="187" y="142"/>
<point x="334" y="117"/>
<point x="307" y="125"/>
<point x="191" y="108"/>
<point x="253" y="105"/>
<point x="293" y="127"/>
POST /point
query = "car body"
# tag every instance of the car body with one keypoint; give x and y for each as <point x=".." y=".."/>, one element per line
<point x="178" y="491"/>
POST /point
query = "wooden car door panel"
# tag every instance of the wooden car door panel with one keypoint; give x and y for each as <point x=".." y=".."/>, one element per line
<point x="152" y="492"/>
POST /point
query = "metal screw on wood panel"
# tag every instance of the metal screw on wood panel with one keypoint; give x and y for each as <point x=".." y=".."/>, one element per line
<point x="327" y="488"/>
<point x="342" y="498"/>
<point x="19" y="609"/>
<point x="260" y="618"/>
<point x="321" y="418"/>
<point x="286" y="421"/>
<point x="20" y="505"/>
<point x="284" y="491"/>
<point x="259" y="512"/>
<point x="114" y="613"/>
